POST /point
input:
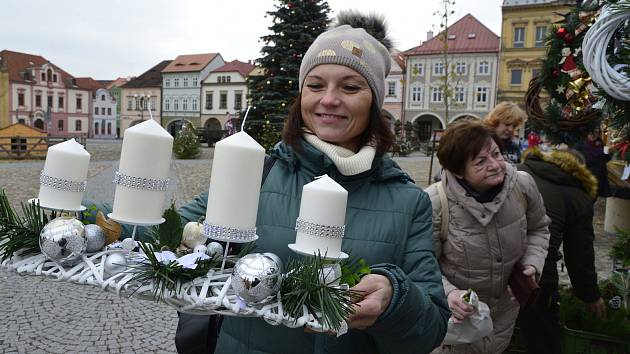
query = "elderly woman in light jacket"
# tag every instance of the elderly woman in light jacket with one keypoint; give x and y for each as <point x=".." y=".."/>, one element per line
<point x="496" y="225"/>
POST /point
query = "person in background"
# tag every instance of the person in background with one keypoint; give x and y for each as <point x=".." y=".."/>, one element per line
<point x="496" y="225"/>
<point x="503" y="120"/>
<point x="593" y="150"/>
<point x="569" y="191"/>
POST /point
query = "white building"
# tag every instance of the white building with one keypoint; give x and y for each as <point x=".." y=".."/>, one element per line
<point x="394" y="86"/>
<point x="181" y="89"/>
<point x="224" y="94"/>
<point x="473" y="57"/>
<point x="104" y="121"/>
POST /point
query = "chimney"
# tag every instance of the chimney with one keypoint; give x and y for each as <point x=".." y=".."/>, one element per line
<point x="429" y="35"/>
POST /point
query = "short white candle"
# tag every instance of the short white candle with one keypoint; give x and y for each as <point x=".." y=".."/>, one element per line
<point x="235" y="182"/>
<point x="68" y="161"/>
<point x="323" y="202"/>
<point x="146" y="153"/>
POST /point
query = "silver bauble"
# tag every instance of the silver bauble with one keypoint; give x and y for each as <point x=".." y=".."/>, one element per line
<point x="200" y="249"/>
<point x="63" y="240"/>
<point x="95" y="236"/>
<point x="214" y="249"/>
<point x="256" y="278"/>
<point x="114" y="264"/>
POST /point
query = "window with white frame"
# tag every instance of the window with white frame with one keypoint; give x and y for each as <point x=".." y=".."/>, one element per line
<point x="185" y="104"/>
<point x="519" y="37"/>
<point x="484" y="68"/>
<point x="460" y="94"/>
<point x="223" y="100"/>
<point x="482" y="94"/>
<point x="438" y="69"/>
<point x="541" y="35"/>
<point x="194" y="82"/>
<point x="167" y="82"/>
<point x="194" y="104"/>
<point x="517" y="77"/>
<point x="176" y="104"/>
<point x="167" y="104"/>
<point x="176" y="82"/>
<point x="238" y="100"/>
<point x="417" y="69"/>
<point x="185" y="82"/>
<point x="460" y="68"/>
<point x="208" y="100"/>
<point x="129" y="104"/>
<point x="391" y="88"/>
<point x="436" y="94"/>
<point x="416" y="94"/>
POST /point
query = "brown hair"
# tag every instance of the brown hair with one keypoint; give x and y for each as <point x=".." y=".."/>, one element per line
<point x="506" y="113"/>
<point x="462" y="141"/>
<point x="377" y="132"/>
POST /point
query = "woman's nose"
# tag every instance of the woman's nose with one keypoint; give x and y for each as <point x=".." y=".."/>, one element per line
<point x="330" y="98"/>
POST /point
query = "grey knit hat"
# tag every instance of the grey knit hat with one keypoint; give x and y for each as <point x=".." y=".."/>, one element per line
<point x="354" y="48"/>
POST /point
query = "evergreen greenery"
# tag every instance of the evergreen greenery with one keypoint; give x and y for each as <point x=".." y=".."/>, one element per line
<point x="19" y="233"/>
<point x="329" y="304"/>
<point x="296" y="24"/>
<point x="186" y="144"/>
<point x="621" y="247"/>
<point x="168" y="235"/>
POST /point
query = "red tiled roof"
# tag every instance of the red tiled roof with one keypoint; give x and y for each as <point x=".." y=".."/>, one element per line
<point x="399" y="59"/>
<point x="119" y="82"/>
<point x="243" y="68"/>
<point x="187" y="63"/>
<point x="17" y="63"/>
<point x="87" y="83"/>
<point x="484" y="41"/>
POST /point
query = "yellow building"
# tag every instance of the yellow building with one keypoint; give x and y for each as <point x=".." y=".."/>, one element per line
<point x="525" y="26"/>
<point x="4" y="95"/>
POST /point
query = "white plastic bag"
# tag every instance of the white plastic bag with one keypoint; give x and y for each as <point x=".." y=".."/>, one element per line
<point x="473" y="327"/>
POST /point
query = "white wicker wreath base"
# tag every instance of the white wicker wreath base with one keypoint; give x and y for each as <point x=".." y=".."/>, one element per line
<point x="209" y="295"/>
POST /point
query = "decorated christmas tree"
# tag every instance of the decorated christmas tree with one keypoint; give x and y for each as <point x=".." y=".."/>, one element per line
<point x="296" y="24"/>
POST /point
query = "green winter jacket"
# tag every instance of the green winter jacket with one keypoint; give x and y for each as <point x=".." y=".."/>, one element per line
<point x="388" y="223"/>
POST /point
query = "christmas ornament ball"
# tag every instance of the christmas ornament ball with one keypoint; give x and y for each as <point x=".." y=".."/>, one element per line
<point x="200" y="249"/>
<point x="95" y="236"/>
<point x="256" y="278"/>
<point x="561" y="32"/>
<point x="114" y="264"/>
<point x="214" y="249"/>
<point x="63" y="240"/>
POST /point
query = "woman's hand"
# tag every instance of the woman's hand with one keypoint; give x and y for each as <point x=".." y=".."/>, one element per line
<point x="459" y="307"/>
<point x="377" y="292"/>
<point x="529" y="270"/>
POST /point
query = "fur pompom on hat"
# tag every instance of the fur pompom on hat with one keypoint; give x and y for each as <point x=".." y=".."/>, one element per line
<point x="349" y="44"/>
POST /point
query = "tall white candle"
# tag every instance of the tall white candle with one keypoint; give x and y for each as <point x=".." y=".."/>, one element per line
<point x="146" y="153"/>
<point x="235" y="182"/>
<point x="323" y="203"/>
<point x="64" y="161"/>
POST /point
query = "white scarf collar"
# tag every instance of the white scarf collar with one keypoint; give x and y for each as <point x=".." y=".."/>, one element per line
<point x="347" y="161"/>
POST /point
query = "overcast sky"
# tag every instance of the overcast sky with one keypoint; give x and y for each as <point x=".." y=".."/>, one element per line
<point x="108" y="39"/>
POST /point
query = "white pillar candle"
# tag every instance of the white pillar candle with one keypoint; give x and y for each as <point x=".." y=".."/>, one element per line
<point x="64" y="161"/>
<point x="235" y="182"/>
<point x="323" y="203"/>
<point x="146" y="153"/>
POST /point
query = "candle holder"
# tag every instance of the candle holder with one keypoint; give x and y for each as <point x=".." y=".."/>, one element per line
<point x="36" y="201"/>
<point x="228" y="235"/>
<point x="135" y="225"/>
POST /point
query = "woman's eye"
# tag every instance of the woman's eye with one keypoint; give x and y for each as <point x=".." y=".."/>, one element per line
<point x="351" y="88"/>
<point x="314" y="86"/>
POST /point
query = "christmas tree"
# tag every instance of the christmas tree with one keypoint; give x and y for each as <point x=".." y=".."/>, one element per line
<point x="295" y="26"/>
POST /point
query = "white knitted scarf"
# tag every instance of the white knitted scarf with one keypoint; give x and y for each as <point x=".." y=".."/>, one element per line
<point x="347" y="161"/>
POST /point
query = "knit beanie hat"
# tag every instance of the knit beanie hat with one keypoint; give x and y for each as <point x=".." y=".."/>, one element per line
<point x="354" y="48"/>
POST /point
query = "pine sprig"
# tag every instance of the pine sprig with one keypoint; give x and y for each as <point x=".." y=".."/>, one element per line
<point x="168" y="277"/>
<point x="303" y="286"/>
<point x="20" y="233"/>
<point x="168" y="235"/>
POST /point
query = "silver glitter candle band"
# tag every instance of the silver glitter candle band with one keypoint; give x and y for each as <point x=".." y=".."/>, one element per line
<point x="227" y="234"/>
<point x="141" y="183"/>
<point x="319" y="230"/>
<point x="61" y="184"/>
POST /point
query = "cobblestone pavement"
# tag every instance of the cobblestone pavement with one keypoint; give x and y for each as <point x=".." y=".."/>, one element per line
<point x="41" y="315"/>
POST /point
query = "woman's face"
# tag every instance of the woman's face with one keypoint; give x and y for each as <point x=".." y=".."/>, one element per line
<point x="336" y="103"/>
<point x="486" y="170"/>
<point x="505" y="131"/>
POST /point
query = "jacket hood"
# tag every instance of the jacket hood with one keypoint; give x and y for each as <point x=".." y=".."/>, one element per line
<point x="561" y="167"/>
<point x="310" y="158"/>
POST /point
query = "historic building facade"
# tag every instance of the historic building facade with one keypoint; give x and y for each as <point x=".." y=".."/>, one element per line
<point x="473" y="57"/>
<point x="394" y="89"/>
<point x="181" y="89"/>
<point x="525" y="26"/>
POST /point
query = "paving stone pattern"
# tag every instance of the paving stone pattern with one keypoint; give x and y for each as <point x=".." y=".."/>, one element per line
<point x="44" y="316"/>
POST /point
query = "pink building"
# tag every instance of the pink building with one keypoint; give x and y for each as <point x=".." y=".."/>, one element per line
<point x="44" y="96"/>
